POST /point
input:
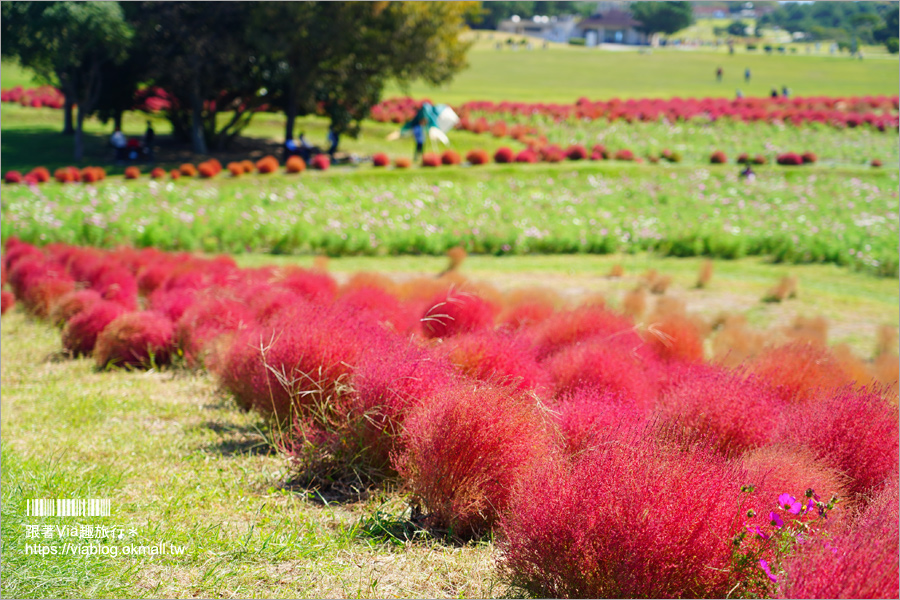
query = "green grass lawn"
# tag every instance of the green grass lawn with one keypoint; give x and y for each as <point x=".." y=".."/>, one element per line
<point x="566" y="73"/>
<point x="182" y="465"/>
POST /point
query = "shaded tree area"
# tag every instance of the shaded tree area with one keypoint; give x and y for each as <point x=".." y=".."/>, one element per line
<point x="72" y="45"/>
<point x="221" y="62"/>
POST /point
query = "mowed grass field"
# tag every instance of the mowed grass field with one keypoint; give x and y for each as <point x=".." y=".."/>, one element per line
<point x="183" y="465"/>
<point x="566" y="73"/>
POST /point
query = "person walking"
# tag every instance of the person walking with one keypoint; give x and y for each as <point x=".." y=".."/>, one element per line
<point x="719" y="74"/>
<point x="418" y="132"/>
<point x="747" y="74"/>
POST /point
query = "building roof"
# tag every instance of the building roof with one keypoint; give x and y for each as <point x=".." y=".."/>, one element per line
<point x="612" y="18"/>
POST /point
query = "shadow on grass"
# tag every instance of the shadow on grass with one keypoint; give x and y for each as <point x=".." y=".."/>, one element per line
<point x="237" y="440"/>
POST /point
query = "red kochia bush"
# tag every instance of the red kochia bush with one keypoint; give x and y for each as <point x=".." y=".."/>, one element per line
<point x="797" y="370"/>
<point x="294" y="164"/>
<point x="568" y="327"/>
<point x="237" y="169"/>
<point x="41" y="174"/>
<point x="320" y="162"/>
<point x="624" y="155"/>
<point x="267" y="164"/>
<point x="496" y="358"/>
<point x="450" y="157"/>
<point x="80" y="333"/>
<point x="718" y="158"/>
<point x="676" y="337"/>
<point x="478" y="157"/>
<point x="309" y="349"/>
<point x="69" y="305"/>
<point x="526" y="156"/>
<point x="207" y="319"/>
<point x="454" y="312"/>
<point x="135" y="340"/>
<point x="402" y="162"/>
<point x="860" y="562"/>
<point x="809" y="158"/>
<point x="8" y="301"/>
<point x="380" y="160"/>
<point x="576" y="152"/>
<point x="852" y="430"/>
<point x="633" y="518"/>
<point x="43" y="292"/>
<point x="737" y="412"/>
<point x="188" y="170"/>
<point x="132" y="173"/>
<point x="876" y="162"/>
<point x="589" y="416"/>
<point x="790" y="159"/>
<point x="384" y="388"/>
<point x="207" y="170"/>
<point x="12" y="177"/>
<point x="172" y="303"/>
<point x="174" y="173"/>
<point x="157" y="173"/>
<point x="431" y="159"/>
<point x="605" y="365"/>
<point x="465" y="449"/>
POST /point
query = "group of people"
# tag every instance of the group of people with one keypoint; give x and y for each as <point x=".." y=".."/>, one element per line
<point x="785" y="91"/>
<point x="133" y="148"/>
<point x="304" y="149"/>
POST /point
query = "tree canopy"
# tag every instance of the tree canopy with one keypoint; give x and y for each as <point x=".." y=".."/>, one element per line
<point x="68" y="44"/>
<point x="662" y="17"/>
<point x="220" y="62"/>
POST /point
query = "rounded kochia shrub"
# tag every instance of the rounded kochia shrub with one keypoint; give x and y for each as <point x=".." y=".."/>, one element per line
<point x="80" y="333"/>
<point x="789" y="159"/>
<point x="633" y="517"/>
<point x="402" y="162"/>
<point x="454" y="312"/>
<point x="132" y="173"/>
<point x="267" y="164"/>
<point x="320" y="162"/>
<point x="431" y="159"/>
<point x="504" y="155"/>
<point x="380" y="160"/>
<point x="576" y="152"/>
<point x="188" y="170"/>
<point x="450" y="157"/>
<point x="12" y="177"/>
<point x="135" y="340"/>
<point x="157" y="173"/>
<point x="464" y="451"/>
<point x="718" y="158"/>
<point x="294" y="164"/>
<point x="478" y="157"/>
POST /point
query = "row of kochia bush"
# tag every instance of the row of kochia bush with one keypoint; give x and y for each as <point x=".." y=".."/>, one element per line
<point x="295" y="164"/>
<point x="608" y="462"/>
<point x="879" y="112"/>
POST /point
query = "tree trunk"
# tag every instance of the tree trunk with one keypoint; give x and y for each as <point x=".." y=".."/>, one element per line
<point x="117" y="119"/>
<point x="79" y="136"/>
<point x="290" y="113"/>
<point x="68" y="127"/>
<point x="197" y="139"/>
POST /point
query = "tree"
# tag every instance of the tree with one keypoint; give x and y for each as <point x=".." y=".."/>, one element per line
<point x="68" y="44"/>
<point x="204" y="57"/>
<point x="737" y="28"/>
<point x="335" y="57"/>
<point x="887" y="35"/>
<point x="662" y="17"/>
